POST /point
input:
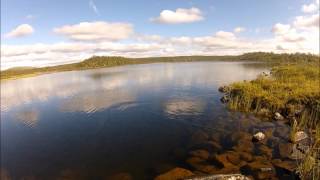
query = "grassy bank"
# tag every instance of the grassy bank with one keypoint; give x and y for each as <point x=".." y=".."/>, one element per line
<point x="294" y="92"/>
<point x="290" y="89"/>
<point x="104" y="61"/>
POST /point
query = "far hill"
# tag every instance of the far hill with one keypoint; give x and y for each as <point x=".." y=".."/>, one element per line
<point x="107" y="61"/>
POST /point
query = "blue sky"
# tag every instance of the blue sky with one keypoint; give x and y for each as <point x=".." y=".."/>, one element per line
<point x="199" y="20"/>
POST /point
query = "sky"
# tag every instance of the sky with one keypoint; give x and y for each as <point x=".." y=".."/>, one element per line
<point x="45" y="33"/>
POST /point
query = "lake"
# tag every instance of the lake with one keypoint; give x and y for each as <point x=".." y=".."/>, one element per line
<point x="135" y="120"/>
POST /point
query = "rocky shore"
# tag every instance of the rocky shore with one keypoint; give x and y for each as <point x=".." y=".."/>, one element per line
<point x="239" y="152"/>
<point x="261" y="148"/>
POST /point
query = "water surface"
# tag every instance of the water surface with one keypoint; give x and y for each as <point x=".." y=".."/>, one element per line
<point x="129" y="119"/>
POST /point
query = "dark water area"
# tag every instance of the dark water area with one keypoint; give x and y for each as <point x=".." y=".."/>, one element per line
<point x="137" y="120"/>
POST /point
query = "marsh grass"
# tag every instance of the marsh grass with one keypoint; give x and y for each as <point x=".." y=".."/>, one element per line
<point x="309" y="167"/>
<point x="294" y="91"/>
<point x="290" y="89"/>
<point x="294" y="129"/>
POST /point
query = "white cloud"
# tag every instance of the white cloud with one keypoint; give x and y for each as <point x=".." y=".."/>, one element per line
<point x="96" y="31"/>
<point x="181" y="40"/>
<point x="281" y="28"/>
<point x="239" y="29"/>
<point x="292" y="36"/>
<point x="93" y="6"/>
<point x="311" y="21"/>
<point x="179" y="16"/>
<point x="99" y="38"/>
<point x="20" y="31"/>
<point x="225" y="35"/>
<point x="310" y="8"/>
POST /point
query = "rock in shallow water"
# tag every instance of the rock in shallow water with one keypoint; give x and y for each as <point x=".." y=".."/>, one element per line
<point x="175" y="174"/>
<point x="199" y="137"/>
<point x="265" y="151"/>
<point x="221" y="177"/>
<point x="246" y="156"/>
<point x="299" y="136"/>
<point x="200" y="153"/>
<point x="282" y="132"/>
<point x="259" y="136"/>
<point x="278" y="116"/>
<point x="260" y="169"/>
<point x="288" y="166"/>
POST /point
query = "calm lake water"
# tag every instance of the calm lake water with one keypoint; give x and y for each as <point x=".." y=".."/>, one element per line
<point x="96" y="123"/>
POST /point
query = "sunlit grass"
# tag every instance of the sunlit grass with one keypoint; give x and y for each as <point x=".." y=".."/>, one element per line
<point x="287" y="88"/>
<point x="309" y="167"/>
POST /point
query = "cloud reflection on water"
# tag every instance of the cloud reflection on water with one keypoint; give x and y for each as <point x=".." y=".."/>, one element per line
<point x="96" y="101"/>
<point x="184" y="107"/>
<point x="90" y="88"/>
<point x="28" y="117"/>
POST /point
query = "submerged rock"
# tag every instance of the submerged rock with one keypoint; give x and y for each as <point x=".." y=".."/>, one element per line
<point x="213" y="146"/>
<point x="244" y="145"/>
<point x="265" y="151"/>
<point x="260" y="169"/>
<point x="259" y="136"/>
<point x="175" y="174"/>
<point x="233" y="157"/>
<point x="241" y="135"/>
<point x="199" y="137"/>
<point x="245" y="156"/>
<point x="273" y="142"/>
<point x="282" y="132"/>
<point x="288" y="166"/>
<point x="222" y="160"/>
<point x="200" y="153"/>
<point x="220" y="177"/>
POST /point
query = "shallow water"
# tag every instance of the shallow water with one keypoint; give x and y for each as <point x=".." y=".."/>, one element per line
<point x="130" y="119"/>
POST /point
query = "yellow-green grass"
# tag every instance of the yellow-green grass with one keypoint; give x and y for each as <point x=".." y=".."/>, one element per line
<point x="285" y="90"/>
<point x="309" y="167"/>
<point x="289" y="88"/>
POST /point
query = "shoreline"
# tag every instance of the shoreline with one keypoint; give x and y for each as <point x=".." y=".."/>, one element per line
<point x="106" y="61"/>
<point x="302" y="115"/>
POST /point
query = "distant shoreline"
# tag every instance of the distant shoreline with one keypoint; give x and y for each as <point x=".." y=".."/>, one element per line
<point x="96" y="62"/>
